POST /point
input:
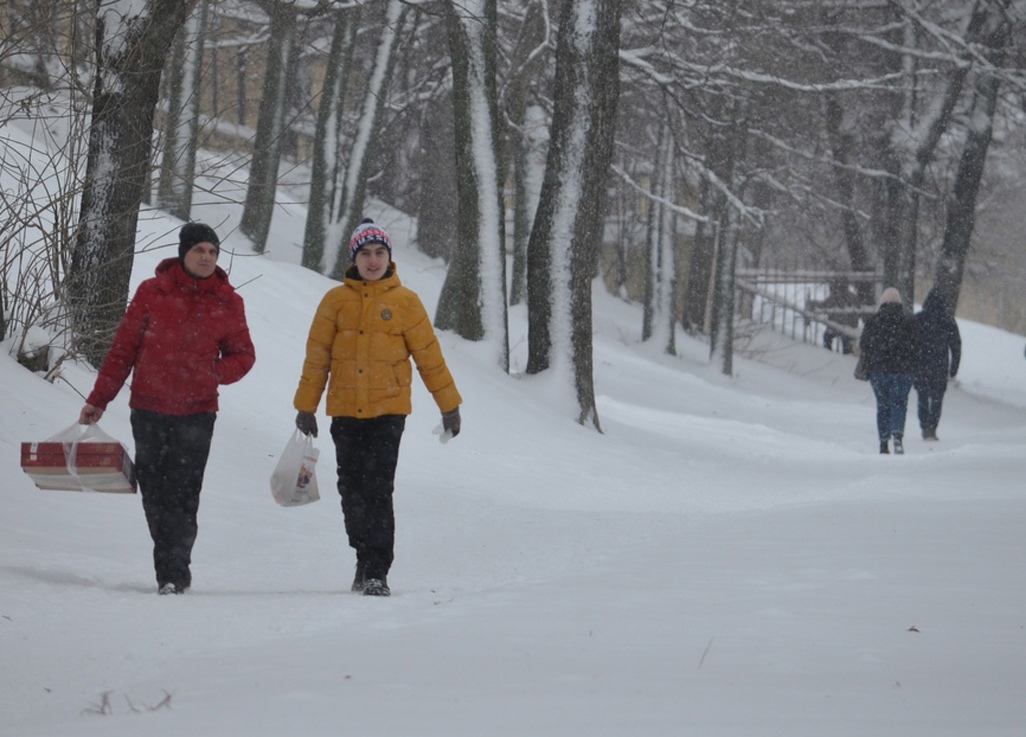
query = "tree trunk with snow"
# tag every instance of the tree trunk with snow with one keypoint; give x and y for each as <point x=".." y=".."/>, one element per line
<point x="730" y="144"/>
<point x="437" y="198"/>
<point x="721" y="333"/>
<point x="979" y="134"/>
<point x="181" y="129"/>
<point x="568" y="227"/>
<point x="842" y="148"/>
<point x="133" y="41"/>
<point x="658" y="320"/>
<point x="915" y="140"/>
<point x="324" y="166"/>
<point x="473" y="299"/>
<point x="352" y="189"/>
<point x="694" y="314"/>
<point x="528" y="130"/>
<point x="263" y="171"/>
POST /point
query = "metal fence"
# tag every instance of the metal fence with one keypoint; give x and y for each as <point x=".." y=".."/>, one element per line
<point x="812" y="306"/>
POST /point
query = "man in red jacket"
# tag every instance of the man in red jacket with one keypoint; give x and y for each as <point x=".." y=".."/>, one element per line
<point x="183" y="335"/>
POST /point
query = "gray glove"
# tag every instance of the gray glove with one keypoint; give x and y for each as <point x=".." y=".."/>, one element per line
<point x="451" y="422"/>
<point x="306" y="423"/>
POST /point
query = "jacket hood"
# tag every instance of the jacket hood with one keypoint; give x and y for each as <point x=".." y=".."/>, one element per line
<point x="936" y="302"/>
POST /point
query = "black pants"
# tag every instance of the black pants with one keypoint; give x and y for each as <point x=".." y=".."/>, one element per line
<point x="367" y="452"/>
<point x="170" y="458"/>
<point x="931" y="398"/>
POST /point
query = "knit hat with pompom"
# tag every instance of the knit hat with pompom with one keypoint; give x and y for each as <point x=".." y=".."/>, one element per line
<point x="367" y="233"/>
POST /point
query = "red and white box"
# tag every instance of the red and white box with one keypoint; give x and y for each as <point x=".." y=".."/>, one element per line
<point x="88" y="464"/>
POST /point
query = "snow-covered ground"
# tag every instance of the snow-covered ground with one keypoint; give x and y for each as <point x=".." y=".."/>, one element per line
<point x="730" y="556"/>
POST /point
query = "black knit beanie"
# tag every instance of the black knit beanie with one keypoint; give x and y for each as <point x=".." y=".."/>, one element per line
<point x="193" y="233"/>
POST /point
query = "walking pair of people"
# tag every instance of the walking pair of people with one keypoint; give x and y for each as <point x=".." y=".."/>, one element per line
<point x="185" y="333"/>
<point x="902" y="351"/>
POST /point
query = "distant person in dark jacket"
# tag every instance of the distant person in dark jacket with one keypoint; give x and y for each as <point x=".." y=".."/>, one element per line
<point x="940" y="351"/>
<point x="890" y="345"/>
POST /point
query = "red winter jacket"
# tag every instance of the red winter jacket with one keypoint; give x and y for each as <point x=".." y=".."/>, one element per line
<point x="182" y="337"/>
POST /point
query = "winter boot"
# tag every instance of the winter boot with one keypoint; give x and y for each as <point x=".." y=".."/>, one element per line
<point x="172" y="588"/>
<point x="376" y="587"/>
<point x="899" y="449"/>
<point x="929" y="433"/>
<point x="884" y="450"/>
<point x="359" y="582"/>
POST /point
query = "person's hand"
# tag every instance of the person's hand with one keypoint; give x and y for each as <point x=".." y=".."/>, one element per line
<point x="306" y="423"/>
<point x="451" y="422"/>
<point x="89" y="415"/>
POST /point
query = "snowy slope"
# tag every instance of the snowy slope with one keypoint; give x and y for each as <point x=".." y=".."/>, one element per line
<point x="730" y="557"/>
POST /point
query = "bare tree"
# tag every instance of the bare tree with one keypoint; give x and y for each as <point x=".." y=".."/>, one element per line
<point x="473" y="298"/>
<point x="352" y="187"/>
<point x="133" y="41"/>
<point x="658" y="319"/>
<point x="527" y="122"/>
<point x="568" y="226"/>
<point x="181" y="129"/>
<point x="267" y="146"/>
<point x="324" y="167"/>
<point x="961" y="207"/>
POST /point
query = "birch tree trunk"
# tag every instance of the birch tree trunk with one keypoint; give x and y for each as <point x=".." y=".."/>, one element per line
<point x="326" y="143"/>
<point x="528" y="130"/>
<point x="181" y="130"/>
<point x="658" y="320"/>
<point x="473" y="298"/>
<point x="352" y="189"/>
<point x="132" y="45"/>
<point x="568" y="227"/>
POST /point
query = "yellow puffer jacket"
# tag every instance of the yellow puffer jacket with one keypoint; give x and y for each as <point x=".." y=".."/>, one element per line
<point x="362" y="337"/>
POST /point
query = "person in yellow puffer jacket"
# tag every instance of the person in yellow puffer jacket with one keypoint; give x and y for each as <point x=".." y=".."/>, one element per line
<point x="359" y="347"/>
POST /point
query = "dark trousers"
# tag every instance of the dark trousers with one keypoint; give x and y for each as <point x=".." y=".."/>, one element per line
<point x="170" y="458"/>
<point x="367" y="452"/>
<point x="931" y="397"/>
<point x="891" y="392"/>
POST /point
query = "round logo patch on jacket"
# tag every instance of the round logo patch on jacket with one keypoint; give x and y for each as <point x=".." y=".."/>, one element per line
<point x="386" y="314"/>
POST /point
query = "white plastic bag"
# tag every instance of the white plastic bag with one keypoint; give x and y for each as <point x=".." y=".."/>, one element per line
<point x="294" y="481"/>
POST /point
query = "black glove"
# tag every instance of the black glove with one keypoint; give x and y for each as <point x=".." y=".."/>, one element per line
<point x="451" y="422"/>
<point x="306" y="423"/>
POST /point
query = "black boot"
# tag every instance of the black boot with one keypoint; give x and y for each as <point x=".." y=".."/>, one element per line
<point x="884" y="450"/>
<point x="376" y="587"/>
<point x="929" y="433"/>
<point x="899" y="449"/>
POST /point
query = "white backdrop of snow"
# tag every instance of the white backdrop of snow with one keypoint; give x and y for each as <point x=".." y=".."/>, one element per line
<point x="731" y="557"/>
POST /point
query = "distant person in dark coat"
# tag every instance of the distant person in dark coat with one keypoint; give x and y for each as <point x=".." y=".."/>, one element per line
<point x="940" y="351"/>
<point x="890" y="345"/>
